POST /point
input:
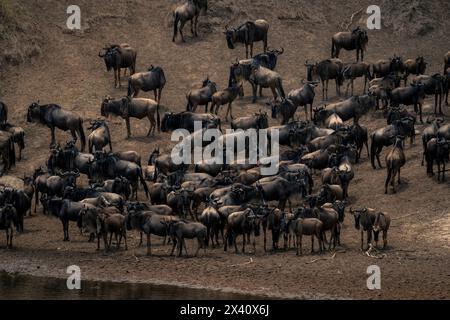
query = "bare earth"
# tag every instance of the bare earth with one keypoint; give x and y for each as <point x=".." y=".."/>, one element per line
<point x="68" y="72"/>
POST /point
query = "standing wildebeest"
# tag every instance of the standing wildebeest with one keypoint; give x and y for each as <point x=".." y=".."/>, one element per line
<point x="432" y="85"/>
<point x="7" y="150"/>
<point x="190" y="10"/>
<point x="186" y="120"/>
<point x="248" y="33"/>
<point x="355" y="40"/>
<point x="385" y="137"/>
<point x="152" y="80"/>
<point x="383" y="68"/>
<point x="269" y="58"/>
<point x="437" y="150"/>
<point x="18" y="136"/>
<point x="272" y="222"/>
<point x="100" y="136"/>
<point x="395" y="160"/>
<point x="8" y="217"/>
<point x="310" y="227"/>
<point x="430" y="132"/>
<point x="447" y="84"/>
<point x="242" y="223"/>
<point x="117" y="57"/>
<point x="258" y="121"/>
<point x="180" y="230"/>
<point x="356" y="70"/>
<point x="416" y="66"/>
<point x="304" y="96"/>
<point x="326" y="70"/>
<point x="127" y="108"/>
<point x="223" y="97"/>
<point x="412" y="95"/>
<point x="202" y="96"/>
<point x="212" y="220"/>
<point x="359" y="136"/>
<point x="371" y="220"/>
<point x="53" y="116"/>
<point x="265" y="78"/>
<point x="277" y="188"/>
<point x="3" y="112"/>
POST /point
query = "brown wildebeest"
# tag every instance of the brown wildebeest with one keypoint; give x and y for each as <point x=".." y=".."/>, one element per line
<point x="53" y="116"/>
<point x="370" y="220"/>
<point x="383" y="68"/>
<point x="395" y="160"/>
<point x="226" y="96"/>
<point x="18" y="136"/>
<point x="265" y="78"/>
<point x="202" y="96"/>
<point x="356" y="70"/>
<point x="416" y="66"/>
<point x="355" y="40"/>
<point x="127" y="108"/>
<point x="412" y="95"/>
<point x="8" y="216"/>
<point x="181" y="230"/>
<point x="152" y="80"/>
<point x="326" y="70"/>
<point x="248" y="33"/>
<point x="117" y="57"/>
<point x="309" y="227"/>
<point x="3" y="112"/>
<point x="100" y="136"/>
<point x="432" y="85"/>
<point x="437" y="150"/>
<point x="304" y="96"/>
<point x="189" y="11"/>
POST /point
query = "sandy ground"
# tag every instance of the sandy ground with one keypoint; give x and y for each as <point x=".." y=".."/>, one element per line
<point x="70" y="73"/>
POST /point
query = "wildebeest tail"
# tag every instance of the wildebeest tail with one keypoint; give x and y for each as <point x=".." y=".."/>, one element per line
<point x="82" y="136"/>
<point x="144" y="185"/>
<point x="372" y="150"/>
<point x="158" y="118"/>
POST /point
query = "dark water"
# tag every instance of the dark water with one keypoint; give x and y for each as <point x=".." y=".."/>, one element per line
<point x="13" y="286"/>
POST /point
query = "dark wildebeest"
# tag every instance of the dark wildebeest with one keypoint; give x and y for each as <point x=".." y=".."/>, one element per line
<point x="355" y="40"/>
<point x="186" y="120"/>
<point x="383" y="68"/>
<point x="370" y="220"/>
<point x="3" y="112"/>
<point x="447" y="84"/>
<point x="272" y="221"/>
<point x="326" y="70"/>
<point x="18" y="136"/>
<point x="258" y="121"/>
<point x="281" y="189"/>
<point x="395" y="160"/>
<point x="152" y="80"/>
<point x="384" y="137"/>
<point x="265" y="78"/>
<point x="66" y="210"/>
<point x="100" y="136"/>
<point x="181" y="230"/>
<point x="53" y="116"/>
<point x="202" y="96"/>
<point x="412" y="95"/>
<point x="7" y="150"/>
<point x="127" y="108"/>
<point x="285" y="107"/>
<point x="399" y="114"/>
<point x="213" y="222"/>
<point x="356" y="70"/>
<point x="430" y="132"/>
<point x="416" y="66"/>
<point x="242" y="223"/>
<point x="248" y="33"/>
<point x="359" y="136"/>
<point x="117" y="57"/>
<point x="226" y="96"/>
<point x="437" y="150"/>
<point x="269" y="58"/>
<point x="304" y="96"/>
<point x="432" y="85"/>
<point x="8" y="217"/>
<point x="189" y="11"/>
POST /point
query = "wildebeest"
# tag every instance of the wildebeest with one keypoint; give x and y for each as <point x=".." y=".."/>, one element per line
<point x="412" y="95"/>
<point x="326" y="70"/>
<point x="188" y="11"/>
<point x="118" y="56"/>
<point x="152" y="80"/>
<point x="359" y="136"/>
<point x="272" y="222"/>
<point x="66" y="210"/>
<point x="241" y="223"/>
<point x="430" y="132"/>
<point x="186" y="120"/>
<point x="437" y="150"/>
<point x="285" y="107"/>
<point x="396" y="113"/>
<point x="181" y="230"/>
<point x="53" y="116"/>
<point x="212" y="220"/>
<point x="55" y="185"/>
<point x="119" y="185"/>
<point x="277" y="188"/>
<point x="446" y="61"/>
<point x="393" y="66"/>
<point x="357" y="40"/>
<point x="304" y="96"/>
<point x="226" y="96"/>
<point x="395" y="160"/>
<point x="7" y="150"/>
<point x="269" y="58"/>
<point x="3" y="112"/>
<point x="356" y="70"/>
<point x="416" y="66"/>
<point x="257" y="121"/>
<point x="265" y="78"/>
<point x="127" y="108"/>
<point x="248" y="33"/>
<point x="8" y="217"/>
<point x="18" y="136"/>
<point x="384" y="137"/>
<point x="311" y="227"/>
<point x="99" y="137"/>
<point x="371" y="220"/>
<point x="432" y="85"/>
<point x="202" y="96"/>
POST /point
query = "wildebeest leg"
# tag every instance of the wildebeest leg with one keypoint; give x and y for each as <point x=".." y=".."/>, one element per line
<point x="52" y="130"/>
<point x="151" y="129"/>
<point x="181" y="30"/>
<point x="243" y="243"/>
<point x="384" y="238"/>
<point x="299" y="244"/>
<point x="200" y="245"/>
<point x="346" y="90"/>
<point x="365" y="83"/>
<point x="264" y="231"/>
<point x="274" y="92"/>
<point x="369" y="237"/>
<point x="388" y="178"/>
<point x="352" y="87"/>
<point x="196" y="26"/>
<point x="140" y="242"/>
<point x="260" y="92"/>
<point x="149" y="245"/>
<point x="127" y="121"/>
<point x="362" y="239"/>
<point x="110" y="240"/>
<point x="312" y="243"/>
<point x="420" y="113"/>
<point x="159" y="95"/>
<point x="192" y="27"/>
<point x="377" y="154"/>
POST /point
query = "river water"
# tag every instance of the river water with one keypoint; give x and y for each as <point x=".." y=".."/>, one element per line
<point x="14" y="286"/>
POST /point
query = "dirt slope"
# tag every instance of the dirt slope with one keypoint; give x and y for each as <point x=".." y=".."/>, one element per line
<point x="67" y="71"/>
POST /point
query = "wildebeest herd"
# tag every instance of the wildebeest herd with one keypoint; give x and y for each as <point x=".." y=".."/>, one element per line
<point x="215" y="203"/>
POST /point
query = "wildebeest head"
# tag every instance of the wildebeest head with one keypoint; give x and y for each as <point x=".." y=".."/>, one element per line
<point x="357" y="215"/>
<point x="34" y="112"/>
<point x="311" y="70"/>
<point x="110" y="56"/>
<point x="360" y="37"/>
<point x="8" y="215"/>
<point x="421" y="65"/>
<point x="230" y="34"/>
<point x="262" y="120"/>
<point x="104" y="107"/>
